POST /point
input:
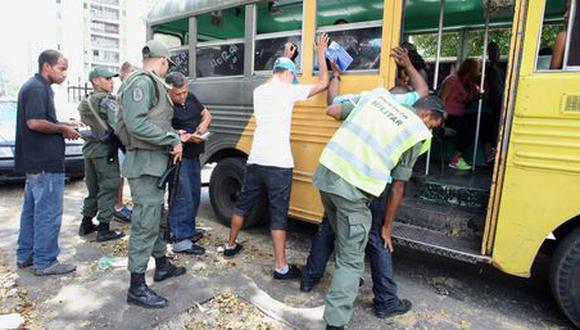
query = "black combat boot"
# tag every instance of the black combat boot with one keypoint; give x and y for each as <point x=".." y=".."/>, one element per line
<point x="164" y="269"/>
<point x="87" y="226"/>
<point x="105" y="234"/>
<point x="140" y="294"/>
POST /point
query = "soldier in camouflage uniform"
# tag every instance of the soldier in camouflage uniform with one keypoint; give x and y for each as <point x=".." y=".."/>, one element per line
<point x="145" y="129"/>
<point x="102" y="175"/>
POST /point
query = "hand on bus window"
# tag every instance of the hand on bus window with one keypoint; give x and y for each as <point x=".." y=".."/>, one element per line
<point x="322" y="45"/>
<point x="289" y="50"/>
<point x="401" y="57"/>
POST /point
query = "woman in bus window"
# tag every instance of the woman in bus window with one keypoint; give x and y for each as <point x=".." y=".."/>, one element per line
<point x="560" y="43"/>
<point x="457" y="92"/>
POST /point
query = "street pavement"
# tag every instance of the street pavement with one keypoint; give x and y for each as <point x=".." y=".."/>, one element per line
<point x="240" y="293"/>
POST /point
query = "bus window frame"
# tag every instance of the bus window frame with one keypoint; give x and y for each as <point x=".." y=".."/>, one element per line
<point x="565" y="68"/>
<point x="271" y="36"/>
<point x="222" y="42"/>
<point x="276" y="35"/>
<point x="351" y="27"/>
<point x="177" y="35"/>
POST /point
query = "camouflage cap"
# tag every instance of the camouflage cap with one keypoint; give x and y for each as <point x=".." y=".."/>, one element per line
<point x="100" y="71"/>
<point x="154" y="49"/>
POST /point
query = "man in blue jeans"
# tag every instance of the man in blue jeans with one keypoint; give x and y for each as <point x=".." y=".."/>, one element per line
<point x="40" y="155"/>
<point x="191" y="119"/>
<point x="379" y="247"/>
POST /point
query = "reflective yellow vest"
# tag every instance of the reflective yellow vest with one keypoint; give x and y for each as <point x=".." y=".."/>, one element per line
<point x="369" y="143"/>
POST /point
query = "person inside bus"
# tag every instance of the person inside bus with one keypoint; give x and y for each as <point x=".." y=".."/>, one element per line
<point x="495" y="84"/>
<point x="560" y="44"/>
<point x="460" y="91"/>
<point x="270" y="163"/>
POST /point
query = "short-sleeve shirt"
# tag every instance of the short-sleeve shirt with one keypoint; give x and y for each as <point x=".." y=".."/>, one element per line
<point x="273" y="104"/>
<point x="187" y="117"/>
<point x="37" y="152"/>
<point x="456" y="102"/>
<point x="328" y="181"/>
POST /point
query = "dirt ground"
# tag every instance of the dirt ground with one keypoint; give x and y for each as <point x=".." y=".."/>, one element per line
<point x="240" y="293"/>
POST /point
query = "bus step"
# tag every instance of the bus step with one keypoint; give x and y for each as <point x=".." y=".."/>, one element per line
<point x="437" y="243"/>
<point x="465" y="189"/>
<point x="453" y="221"/>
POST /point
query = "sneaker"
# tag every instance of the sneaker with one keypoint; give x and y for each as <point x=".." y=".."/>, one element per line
<point x="197" y="236"/>
<point x="55" y="269"/>
<point x="187" y="247"/>
<point x="123" y="215"/>
<point x="292" y="273"/>
<point x="460" y="164"/>
<point x="233" y="251"/>
<point x="404" y="306"/>
<point x="109" y="235"/>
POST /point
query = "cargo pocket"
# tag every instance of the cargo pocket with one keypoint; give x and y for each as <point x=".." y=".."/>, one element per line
<point x="359" y="228"/>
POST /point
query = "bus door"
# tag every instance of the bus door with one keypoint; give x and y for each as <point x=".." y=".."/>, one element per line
<point x="539" y="181"/>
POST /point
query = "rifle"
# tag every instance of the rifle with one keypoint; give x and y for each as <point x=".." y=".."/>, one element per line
<point x="171" y="172"/>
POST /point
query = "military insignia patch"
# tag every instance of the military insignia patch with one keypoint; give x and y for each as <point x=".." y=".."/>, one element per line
<point x="137" y="94"/>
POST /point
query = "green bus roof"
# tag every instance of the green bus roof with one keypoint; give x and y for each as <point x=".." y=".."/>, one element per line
<point x="170" y="16"/>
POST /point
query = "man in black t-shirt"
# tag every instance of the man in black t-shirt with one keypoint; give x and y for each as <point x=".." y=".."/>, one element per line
<point x="191" y="119"/>
<point x="40" y="155"/>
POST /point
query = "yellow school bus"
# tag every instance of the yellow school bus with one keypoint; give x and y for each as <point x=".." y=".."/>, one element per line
<point x="505" y="213"/>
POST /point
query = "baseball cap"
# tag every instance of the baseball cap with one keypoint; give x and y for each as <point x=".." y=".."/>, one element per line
<point x="286" y="63"/>
<point x="155" y="48"/>
<point x="102" y="72"/>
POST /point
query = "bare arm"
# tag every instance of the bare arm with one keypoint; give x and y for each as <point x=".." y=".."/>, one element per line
<point x="322" y="83"/>
<point x="394" y="200"/>
<point x="333" y="86"/>
<point x="401" y="57"/>
<point x="334" y="111"/>
<point x="46" y="127"/>
<point x="205" y="121"/>
<point x="558" y="52"/>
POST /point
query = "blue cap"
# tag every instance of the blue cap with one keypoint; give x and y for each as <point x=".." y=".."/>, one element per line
<point x="286" y="63"/>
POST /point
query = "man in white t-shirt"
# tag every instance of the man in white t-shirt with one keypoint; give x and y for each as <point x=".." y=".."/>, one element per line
<point x="269" y="168"/>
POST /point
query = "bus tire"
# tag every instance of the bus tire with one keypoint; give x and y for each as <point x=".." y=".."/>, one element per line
<point x="225" y="185"/>
<point x="565" y="276"/>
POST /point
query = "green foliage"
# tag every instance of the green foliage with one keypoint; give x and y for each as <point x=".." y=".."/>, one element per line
<point x="501" y="37"/>
<point x="427" y="43"/>
<point x="549" y="33"/>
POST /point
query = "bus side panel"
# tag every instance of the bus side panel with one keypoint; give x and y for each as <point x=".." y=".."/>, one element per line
<point x="230" y="103"/>
<point x="542" y="180"/>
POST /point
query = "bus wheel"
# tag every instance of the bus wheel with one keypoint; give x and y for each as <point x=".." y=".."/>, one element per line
<point x="225" y="186"/>
<point x="565" y="276"/>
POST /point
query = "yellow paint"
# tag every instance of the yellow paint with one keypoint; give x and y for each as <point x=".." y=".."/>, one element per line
<point x="542" y="174"/>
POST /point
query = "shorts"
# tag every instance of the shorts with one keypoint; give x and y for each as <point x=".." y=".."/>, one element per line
<point x="276" y="183"/>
